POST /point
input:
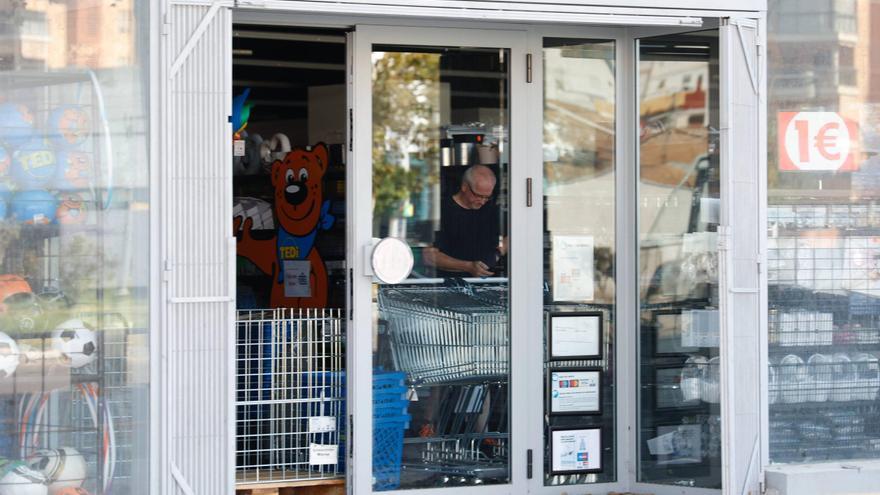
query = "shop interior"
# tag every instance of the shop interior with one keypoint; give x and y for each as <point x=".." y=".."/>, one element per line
<point x="289" y="216"/>
<point x="441" y="416"/>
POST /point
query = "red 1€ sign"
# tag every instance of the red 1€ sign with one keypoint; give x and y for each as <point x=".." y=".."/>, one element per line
<point x="816" y="141"/>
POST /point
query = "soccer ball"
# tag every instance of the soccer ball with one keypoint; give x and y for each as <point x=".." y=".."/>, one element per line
<point x="16" y="478"/>
<point x="76" y="342"/>
<point x="70" y="126"/>
<point x="74" y="171"/>
<point x="71" y="209"/>
<point x="10" y="355"/>
<point x="16" y="124"/>
<point x="63" y="468"/>
<point x="5" y="161"/>
<point x="34" y="207"/>
<point x="71" y="490"/>
<point x="256" y="209"/>
<point x="33" y="165"/>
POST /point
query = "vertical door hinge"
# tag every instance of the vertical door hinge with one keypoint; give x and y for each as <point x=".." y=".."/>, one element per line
<point x="529" y="192"/>
<point x="165" y="25"/>
<point x="350" y="436"/>
<point x="351" y="294"/>
<point x="529" y="464"/>
<point x="351" y="130"/>
<point x="528" y="67"/>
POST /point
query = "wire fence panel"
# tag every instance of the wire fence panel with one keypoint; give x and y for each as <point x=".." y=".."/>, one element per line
<point x="290" y="404"/>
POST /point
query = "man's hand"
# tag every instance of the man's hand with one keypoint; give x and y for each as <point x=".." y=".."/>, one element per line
<point x="478" y="269"/>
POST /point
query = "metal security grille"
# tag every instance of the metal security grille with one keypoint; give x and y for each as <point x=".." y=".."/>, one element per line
<point x="290" y="404"/>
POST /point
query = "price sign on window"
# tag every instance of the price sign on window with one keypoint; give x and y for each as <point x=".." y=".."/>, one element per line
<point x="816" y="142"/>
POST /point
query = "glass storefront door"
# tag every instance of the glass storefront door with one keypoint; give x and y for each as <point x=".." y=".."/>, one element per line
<point x="554" y="315"/>
<point x="444" y="150"/>
<point x="679" y="204"/>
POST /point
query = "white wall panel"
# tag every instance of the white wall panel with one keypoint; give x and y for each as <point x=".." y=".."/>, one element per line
<point x="197" y="411"/>
<point x="742" y="169"/>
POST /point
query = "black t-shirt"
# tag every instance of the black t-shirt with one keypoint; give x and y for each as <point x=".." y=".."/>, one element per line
<point x="468" y="235"/>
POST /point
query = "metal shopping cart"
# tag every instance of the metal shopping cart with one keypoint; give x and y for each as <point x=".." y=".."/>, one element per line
<point x="455" y="340"/>
<point x="447" y="334"/>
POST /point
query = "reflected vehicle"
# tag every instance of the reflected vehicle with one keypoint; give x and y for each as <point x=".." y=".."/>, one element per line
<point x="679" y="212"/>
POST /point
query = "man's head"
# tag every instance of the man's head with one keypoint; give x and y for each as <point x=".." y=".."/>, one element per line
<point x="477" y="185"/>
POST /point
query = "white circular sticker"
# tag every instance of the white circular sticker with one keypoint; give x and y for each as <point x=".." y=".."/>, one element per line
<point x="392" y="260"/>
<point x="817" y="141"/>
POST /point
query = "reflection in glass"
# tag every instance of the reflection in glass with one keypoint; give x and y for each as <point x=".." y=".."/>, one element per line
<point x="822" y="247"/>
<point x="74" y="237"/>
<point x="440" y="161"/>
<point x="679" y="198"/>
<point x="579" y="176"/>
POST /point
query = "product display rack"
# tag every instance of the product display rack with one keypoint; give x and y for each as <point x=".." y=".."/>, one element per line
<point x="670" y="401"/>
<point x="60" y="406"/>
<point x="824" y="329"/>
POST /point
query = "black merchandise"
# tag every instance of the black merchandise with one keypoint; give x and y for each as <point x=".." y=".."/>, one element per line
<point x="469" y="235"/>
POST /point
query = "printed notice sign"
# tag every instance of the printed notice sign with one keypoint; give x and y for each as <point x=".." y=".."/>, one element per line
<point x="296" y="278"/>
<point x="576" y="451"/>
<point x="574" y="392"/>
<point x="322" y="424"/>
<point x="573" y="268"/>
<point x="575" y="335"/>
<point x="323" y="455"/>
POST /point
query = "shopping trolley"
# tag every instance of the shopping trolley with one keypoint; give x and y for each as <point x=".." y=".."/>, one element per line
<point x="447" y="334"/>
<point x="455" y="339"/>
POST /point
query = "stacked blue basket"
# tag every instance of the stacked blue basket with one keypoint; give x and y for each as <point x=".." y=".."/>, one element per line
<point x="390" y="421"/>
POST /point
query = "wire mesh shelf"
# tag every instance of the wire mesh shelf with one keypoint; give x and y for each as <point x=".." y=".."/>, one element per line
<point x="290" y="403"/>
<point x="838" y="377"/>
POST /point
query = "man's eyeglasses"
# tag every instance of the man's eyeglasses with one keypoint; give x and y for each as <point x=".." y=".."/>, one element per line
<point x="484" y="197"/>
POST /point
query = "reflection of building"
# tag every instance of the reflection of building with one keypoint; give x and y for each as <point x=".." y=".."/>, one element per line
<point x="821" y="53"/>
<point x="814" y="44"/>
<point x="45" y="34"/>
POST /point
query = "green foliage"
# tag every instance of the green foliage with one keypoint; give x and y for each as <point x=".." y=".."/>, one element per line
<point x="406" y="92"/>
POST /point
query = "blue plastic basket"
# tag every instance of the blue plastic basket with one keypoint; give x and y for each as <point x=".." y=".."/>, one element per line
<point x="388" y="451"/>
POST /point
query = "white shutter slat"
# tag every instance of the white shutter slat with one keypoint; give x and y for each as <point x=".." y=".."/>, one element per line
<point x="742" y="171"/>
<point x="197" y="394"/>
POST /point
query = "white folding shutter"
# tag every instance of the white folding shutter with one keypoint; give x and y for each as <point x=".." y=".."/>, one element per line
<point x="197" y="415"/>
<point x="742" y="165"/>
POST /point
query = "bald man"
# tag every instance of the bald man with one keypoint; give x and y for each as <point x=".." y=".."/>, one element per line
<point x="468" y="243"/>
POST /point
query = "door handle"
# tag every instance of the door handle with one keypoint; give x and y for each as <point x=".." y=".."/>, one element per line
<point x="529" y="192"/>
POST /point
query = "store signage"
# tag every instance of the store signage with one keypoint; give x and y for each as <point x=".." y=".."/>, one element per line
<point x="816" y="142"/>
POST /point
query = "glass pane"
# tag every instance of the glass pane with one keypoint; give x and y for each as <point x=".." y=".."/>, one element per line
<point x="440" y="168"/>
<point x="823" y="246"/>
<point x="74" y="238"/>
<point x="679" y="201"/>
<point x="579" y="253"/>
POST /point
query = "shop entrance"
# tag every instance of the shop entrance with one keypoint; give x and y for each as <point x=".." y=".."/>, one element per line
<point x="481" y="258"/>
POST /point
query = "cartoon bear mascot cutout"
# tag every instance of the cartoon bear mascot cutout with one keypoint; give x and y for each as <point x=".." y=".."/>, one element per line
<point x="299" y="277"/>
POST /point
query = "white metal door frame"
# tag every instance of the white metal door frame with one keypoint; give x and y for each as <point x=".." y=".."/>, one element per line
<point x="623" y="446"/>
<point x="634" y="35"/>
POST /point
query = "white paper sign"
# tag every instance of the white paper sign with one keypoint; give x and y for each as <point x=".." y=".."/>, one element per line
<point x="574" y="336"/>
<point x="577" y="450"/>
<point x="323" y="455"/>
<point x="574" y="391"/>
<point x="238" y="147"/>
<point x="700" y="328"/>
<point x="296" y="278"/>
<point x="322" y="424"/>
<point x="573" y="268"/>
<point x="680" y="444"/>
